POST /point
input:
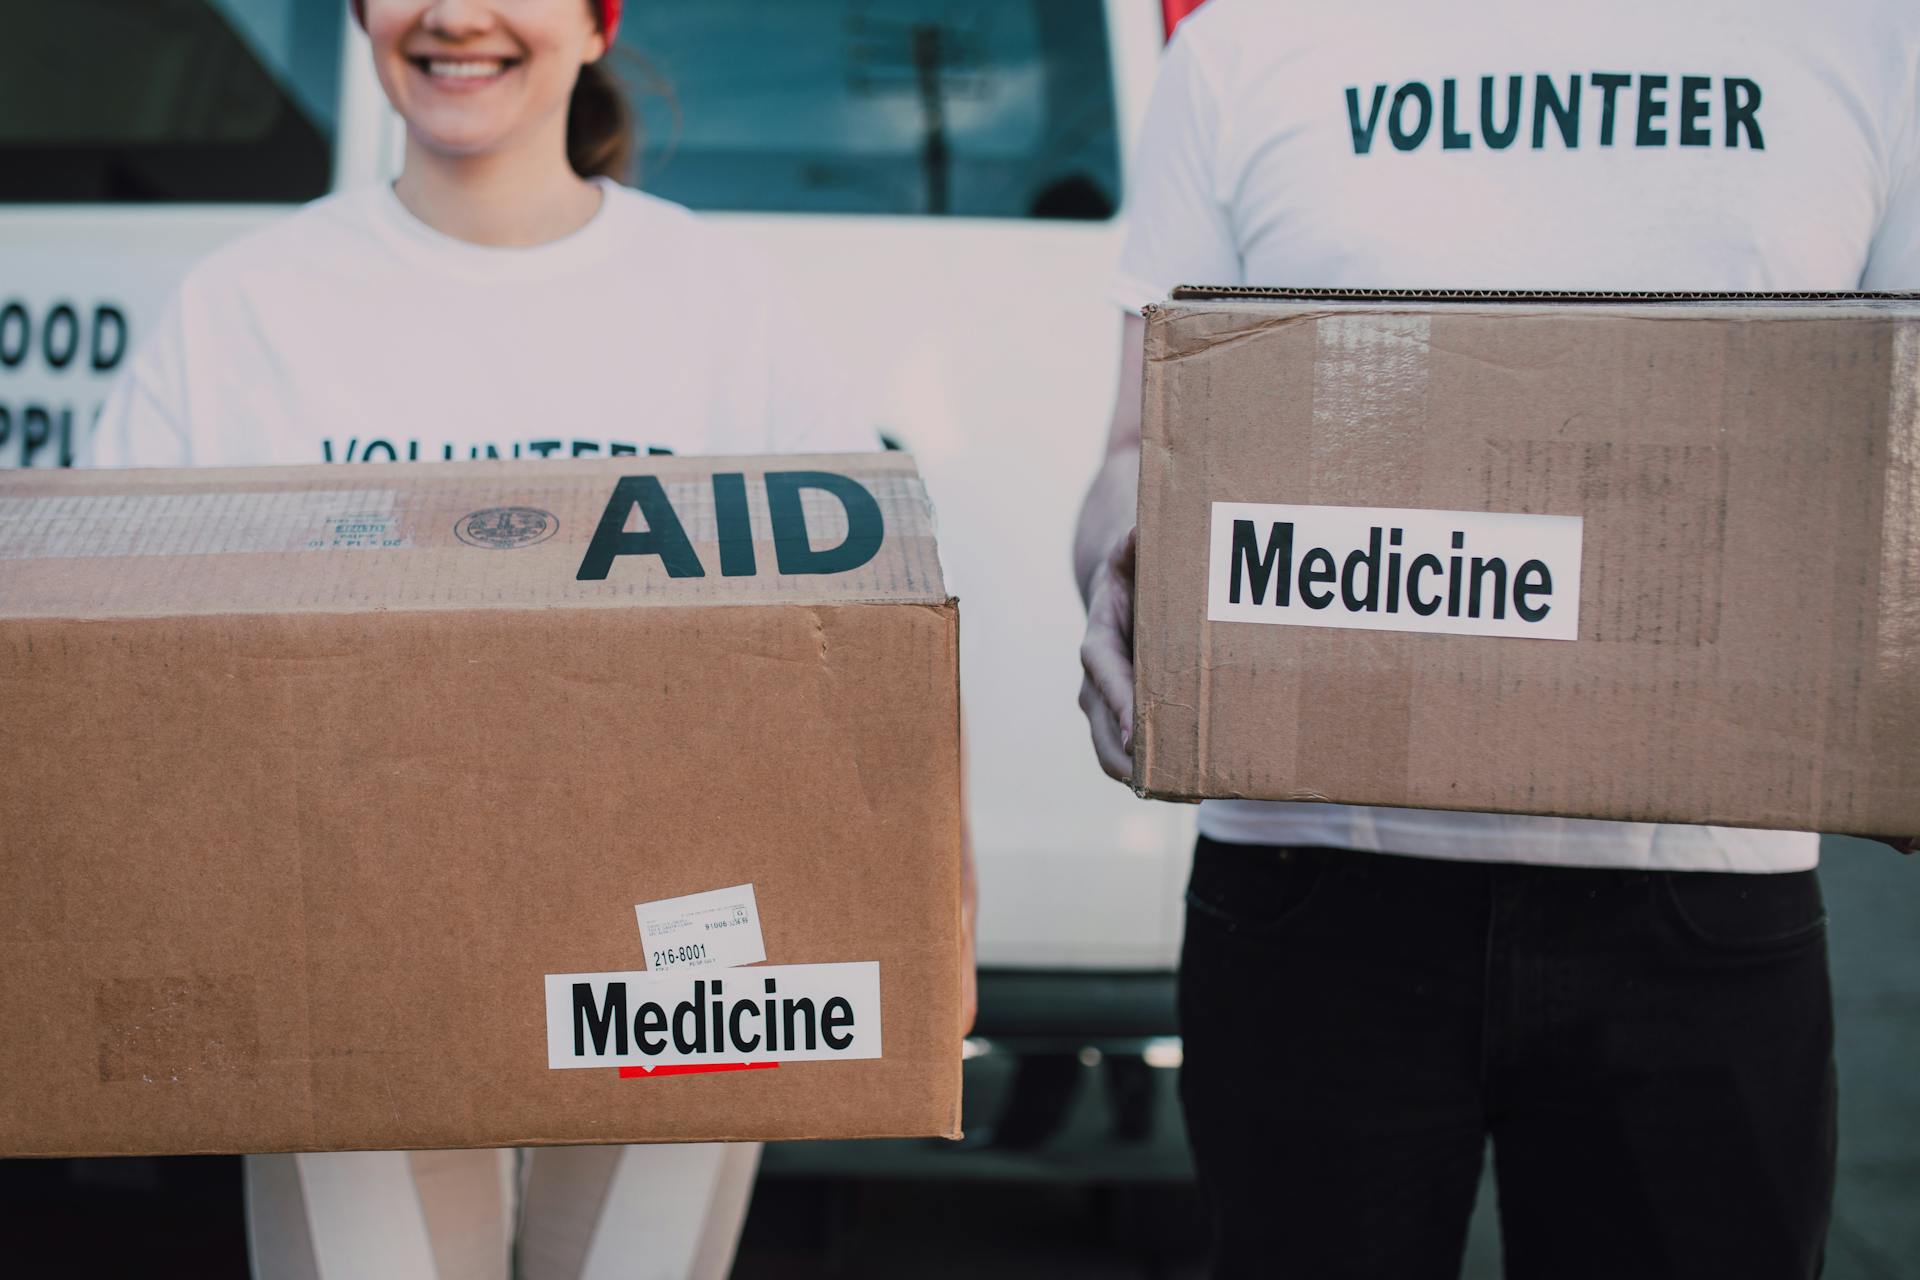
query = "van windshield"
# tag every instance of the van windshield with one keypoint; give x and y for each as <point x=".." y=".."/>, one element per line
<point x="973" y="108"/>
<point x="169" y="100"/>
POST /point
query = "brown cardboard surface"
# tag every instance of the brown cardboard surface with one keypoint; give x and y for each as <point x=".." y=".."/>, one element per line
<point x="289" y="838"/>
<point x="1748" y="475"/>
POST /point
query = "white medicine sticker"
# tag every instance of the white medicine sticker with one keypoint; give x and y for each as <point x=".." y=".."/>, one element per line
<point x="780" y="1013"/>
<point x="1473" y="573"/>
<point x="714" y="930"/>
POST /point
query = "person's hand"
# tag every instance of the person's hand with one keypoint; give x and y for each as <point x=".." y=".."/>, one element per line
<point x="1106" y="657"/>
<point x="969" y="973"/>
<point x="969" y="948"/>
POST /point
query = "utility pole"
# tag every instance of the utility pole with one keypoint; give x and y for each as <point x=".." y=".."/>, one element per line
<point x="927" y="64"/>
<point x="934" y="62"/>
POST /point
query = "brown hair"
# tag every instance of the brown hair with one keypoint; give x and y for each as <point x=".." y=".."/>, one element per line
<point x="601" y="135"/>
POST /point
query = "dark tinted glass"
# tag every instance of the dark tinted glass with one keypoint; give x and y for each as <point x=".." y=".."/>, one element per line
<point x="975" y="108"/>
<point x="168" y="100"/>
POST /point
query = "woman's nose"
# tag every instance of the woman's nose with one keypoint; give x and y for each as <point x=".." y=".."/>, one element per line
<point x="456" y="18"/>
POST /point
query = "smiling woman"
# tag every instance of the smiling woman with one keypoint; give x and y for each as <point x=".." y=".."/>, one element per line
<point x="517" y="88"/>
<point x="503" y="287"/>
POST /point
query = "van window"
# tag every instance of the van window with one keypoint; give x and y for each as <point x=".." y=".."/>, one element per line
<point x="168" y="100"/>
<point x="975" y="108"/>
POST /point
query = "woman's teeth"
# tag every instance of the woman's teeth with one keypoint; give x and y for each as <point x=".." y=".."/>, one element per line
<point x="468" y="69"/>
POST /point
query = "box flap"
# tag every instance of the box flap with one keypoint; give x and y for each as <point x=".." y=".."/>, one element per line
<point x="1212" y="293"/>
<point x="467" y="535"/>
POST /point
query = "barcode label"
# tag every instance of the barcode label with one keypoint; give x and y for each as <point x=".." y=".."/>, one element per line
<point x="714" y="930"/>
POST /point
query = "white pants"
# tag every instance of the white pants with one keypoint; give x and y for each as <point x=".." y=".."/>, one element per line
<point x="669" y="1212"/>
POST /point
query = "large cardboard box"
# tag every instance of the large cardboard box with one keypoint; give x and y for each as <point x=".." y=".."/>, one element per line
<point x="1651" y="557"/>
<point x="342" y="808"/>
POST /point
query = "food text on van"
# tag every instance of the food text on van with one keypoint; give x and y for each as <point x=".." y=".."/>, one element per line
<point x="62" y="336"/>
<point x="66" y="339"/>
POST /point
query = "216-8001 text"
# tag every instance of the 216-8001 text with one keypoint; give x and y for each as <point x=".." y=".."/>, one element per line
<point x="672" y="956"/>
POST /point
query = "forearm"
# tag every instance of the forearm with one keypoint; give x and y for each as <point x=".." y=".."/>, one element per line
<point x="1112" y="501"/>
<point x="1103" y="568"/>
<point x="1107" y="514"/>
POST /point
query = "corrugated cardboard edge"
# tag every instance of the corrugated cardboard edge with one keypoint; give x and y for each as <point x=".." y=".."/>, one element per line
<point x="528" y="1140"/>
<point x="962" y="834"/>
<point x="1166" y="756"/>
<point x="1241" y="292"/>
<point x="1277" y="308"/>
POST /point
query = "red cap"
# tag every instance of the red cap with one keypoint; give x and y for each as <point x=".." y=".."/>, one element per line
<point x="609" y="16"/>
<point x="1174" y="12"/>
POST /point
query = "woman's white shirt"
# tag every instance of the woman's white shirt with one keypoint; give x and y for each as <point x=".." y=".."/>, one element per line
<point x="351" y="331"/>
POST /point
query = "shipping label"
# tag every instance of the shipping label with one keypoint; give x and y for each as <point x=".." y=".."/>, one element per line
<point x="714" y="930"/>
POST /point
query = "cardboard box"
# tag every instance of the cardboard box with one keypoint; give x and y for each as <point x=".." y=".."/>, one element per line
<point x="1688" y="540"/>
<point x="328" y="796"/>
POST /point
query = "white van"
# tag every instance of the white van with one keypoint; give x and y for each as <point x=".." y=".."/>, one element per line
<point x="943" y="177"/>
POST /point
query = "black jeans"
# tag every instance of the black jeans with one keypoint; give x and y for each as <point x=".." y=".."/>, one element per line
<point x="1651" y="1053"/>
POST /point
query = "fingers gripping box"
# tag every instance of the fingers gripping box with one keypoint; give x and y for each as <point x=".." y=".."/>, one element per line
<point x="1649" y="557"/>
<point x="476" y="805"/>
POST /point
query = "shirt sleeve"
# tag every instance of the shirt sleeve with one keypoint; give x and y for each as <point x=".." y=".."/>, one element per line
<point x="1179" y="230"/>
<point x="143" y="422"/>
<point x="1893" y="263"/>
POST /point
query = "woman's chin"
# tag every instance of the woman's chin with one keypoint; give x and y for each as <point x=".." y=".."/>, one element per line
<point x="466" y="143"/>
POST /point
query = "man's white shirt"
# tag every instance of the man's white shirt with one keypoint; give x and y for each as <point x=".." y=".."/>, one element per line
<point x="1635" y="145"/>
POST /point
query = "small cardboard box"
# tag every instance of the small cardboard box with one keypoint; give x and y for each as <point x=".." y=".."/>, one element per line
<point x="1650" y="557"/>
<point x="328" y="797"/>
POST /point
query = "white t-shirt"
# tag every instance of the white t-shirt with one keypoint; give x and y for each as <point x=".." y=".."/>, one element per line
<point x="351" y="331"/>
<point x="1637" y="144"/>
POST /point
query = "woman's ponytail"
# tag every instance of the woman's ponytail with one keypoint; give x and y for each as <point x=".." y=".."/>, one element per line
<point x="601" y="137"/>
